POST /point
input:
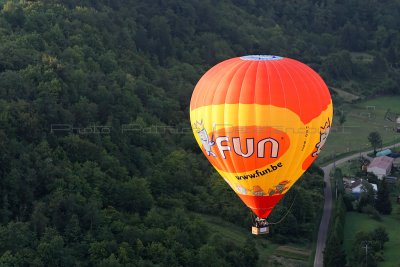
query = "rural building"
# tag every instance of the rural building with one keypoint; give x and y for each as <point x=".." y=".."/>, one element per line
<point x="357" y="187"/>
<point x="381" y="166"/>
<point x="385" y="152"/>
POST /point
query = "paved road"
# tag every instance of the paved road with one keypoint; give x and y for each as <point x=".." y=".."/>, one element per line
<point x="324" y="225"/>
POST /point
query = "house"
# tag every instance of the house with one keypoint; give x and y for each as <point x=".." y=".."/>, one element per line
<point x="381" y="166"/>
<point x="358" y="186"/>
<point x="385" y="152"/>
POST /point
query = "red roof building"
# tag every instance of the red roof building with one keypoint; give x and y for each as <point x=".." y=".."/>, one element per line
<point x="381" y="166"/>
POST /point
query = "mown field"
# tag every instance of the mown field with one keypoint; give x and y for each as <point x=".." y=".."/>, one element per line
<point x="361" y="119"/>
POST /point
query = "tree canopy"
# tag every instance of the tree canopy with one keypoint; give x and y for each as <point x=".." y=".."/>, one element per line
<point x="375" y="139"/>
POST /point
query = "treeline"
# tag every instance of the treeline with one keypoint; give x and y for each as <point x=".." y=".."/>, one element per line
<point x="334" y="254"/>
<point x="98" y="166"/>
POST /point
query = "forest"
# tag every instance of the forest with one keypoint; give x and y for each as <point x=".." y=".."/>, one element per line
<point x="98" y="165"/>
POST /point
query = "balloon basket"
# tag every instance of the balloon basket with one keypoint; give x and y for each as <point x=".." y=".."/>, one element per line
<point x="260" y="230"/>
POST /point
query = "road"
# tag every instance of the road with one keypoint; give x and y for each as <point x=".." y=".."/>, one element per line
<point x="326" y="215"/>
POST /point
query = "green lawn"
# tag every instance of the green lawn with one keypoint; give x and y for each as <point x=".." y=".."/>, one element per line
<point x="362" y="222"/>
<point x="361" y="119"/>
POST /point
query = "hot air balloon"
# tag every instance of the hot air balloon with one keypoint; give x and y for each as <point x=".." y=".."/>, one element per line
<point x="261" y="121"/>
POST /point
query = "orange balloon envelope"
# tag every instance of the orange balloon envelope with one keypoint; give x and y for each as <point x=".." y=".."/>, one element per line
<point x="261" y="121"/>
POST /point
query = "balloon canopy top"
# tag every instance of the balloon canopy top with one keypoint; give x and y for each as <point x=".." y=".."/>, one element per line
<point x="261" y="57"/>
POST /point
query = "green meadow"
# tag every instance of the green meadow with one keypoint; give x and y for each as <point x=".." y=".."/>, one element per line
<point x="362" y="222"/>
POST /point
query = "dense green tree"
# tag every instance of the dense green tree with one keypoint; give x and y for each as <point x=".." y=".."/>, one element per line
<point x="111" y="261"/>
<point x="375" y="139"/>
<point x="366" y="247"/>
<point x="209" y="257"/>
<point x="15" y="236"/>
<point x="133" y="196"/>
<point x="380" y="236"/>
<point x="39" y="220"/>
<point x="382" y="202"/>
<point x="338" y="176"/>
<point x="367" y="197"/>
<point x="51" y="249"/>
<point x="334" y="254"/>
<point x="338" y="66"/>
<point x="8" y="260"/>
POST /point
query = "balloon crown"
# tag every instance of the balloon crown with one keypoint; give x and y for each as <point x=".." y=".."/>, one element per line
<point x="261" y="57"/>
<point x="199" y="125"/>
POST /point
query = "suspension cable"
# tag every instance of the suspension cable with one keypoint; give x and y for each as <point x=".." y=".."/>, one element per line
<point x="286" y="212"/>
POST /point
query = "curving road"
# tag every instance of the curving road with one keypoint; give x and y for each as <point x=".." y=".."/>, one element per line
<point x="326" y="215"/>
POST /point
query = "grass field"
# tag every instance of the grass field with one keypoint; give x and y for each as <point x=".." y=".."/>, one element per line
<point x="361" y="222"/>
<point x="361" y="119"/>
<point x="270" y="254"/>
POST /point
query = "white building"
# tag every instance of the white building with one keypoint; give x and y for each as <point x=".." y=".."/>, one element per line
<point x="381" y="166"/>
<point x="357" y="187"/>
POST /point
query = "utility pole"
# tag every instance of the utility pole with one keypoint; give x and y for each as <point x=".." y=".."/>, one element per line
<point x="365" y="244"/>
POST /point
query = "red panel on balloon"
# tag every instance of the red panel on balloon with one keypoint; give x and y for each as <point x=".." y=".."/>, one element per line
<point x="261" y="205"/>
